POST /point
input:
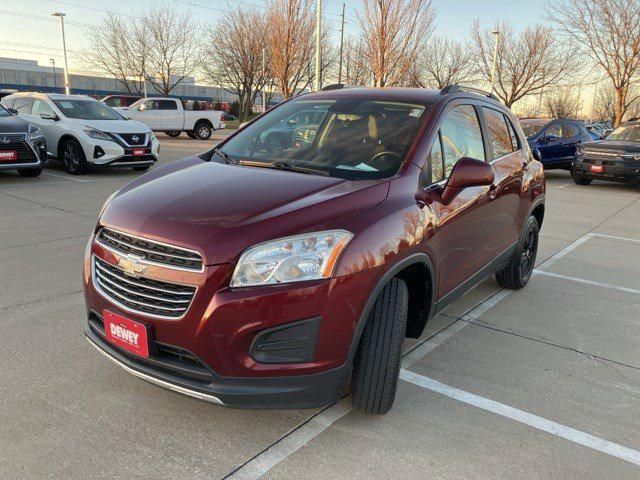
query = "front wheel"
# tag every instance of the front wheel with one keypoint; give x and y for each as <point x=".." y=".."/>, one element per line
<point x="203" y="131"/>
<point x="191" y="134"/>
<point x="377" y="362"/>
<point x="73" y="157"/>
<point x="579" y="179"/>
<point x="518" y="271"/>
<point x="29" y="172"/>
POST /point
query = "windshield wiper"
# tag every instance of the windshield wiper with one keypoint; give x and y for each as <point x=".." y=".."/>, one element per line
<point x="224" y="156"/>
<point x="289" y="167"/>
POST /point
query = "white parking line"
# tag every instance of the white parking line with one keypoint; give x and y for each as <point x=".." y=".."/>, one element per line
<point x="626" y="239"/>
<point x="66" y="177"/>
<point x="568" y="433"/>
<point x="299" y="437"/>
<point x="587" y="281"/>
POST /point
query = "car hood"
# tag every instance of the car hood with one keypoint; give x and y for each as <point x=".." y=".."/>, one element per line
<point x="613" y="146"/>
<point x="221" y="209"/>
<point x="115" y="126"/>
<point x="13" y="124"/>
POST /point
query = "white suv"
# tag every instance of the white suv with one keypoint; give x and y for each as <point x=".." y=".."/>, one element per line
<point x="80" y="131"/>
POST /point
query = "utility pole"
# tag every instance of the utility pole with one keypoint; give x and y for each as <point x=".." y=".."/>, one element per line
<point x="264" y="80"/>
<point x="341" y="45"/>
<point x="496" y="40"/>
<point x="318" y="80"/>
<point x="67" y="86"/>
<point x="539" y="109"/>
<point x="53" y="67"/>
<point x="593" y="103"/>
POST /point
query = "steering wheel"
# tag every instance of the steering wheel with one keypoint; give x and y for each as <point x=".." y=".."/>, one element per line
<point x="386" y="152"/>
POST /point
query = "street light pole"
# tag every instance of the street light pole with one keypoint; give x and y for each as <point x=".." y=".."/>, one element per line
<point x="318" y="81"/>
<point x="496" y="39"/>
<point x="67" y="86"/>
<point x="341" y="45"/>
<point x="53" y="67"/>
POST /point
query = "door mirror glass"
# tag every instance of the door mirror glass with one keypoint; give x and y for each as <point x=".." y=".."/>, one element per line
<point x="12" y="111"/>
<point x="467" y="172"/>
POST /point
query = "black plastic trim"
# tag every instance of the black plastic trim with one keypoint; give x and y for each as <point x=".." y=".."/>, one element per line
<point x="293" y="342"/>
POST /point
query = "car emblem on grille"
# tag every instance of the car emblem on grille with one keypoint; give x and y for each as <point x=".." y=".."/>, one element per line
<point x="135" y="138"/>
<point x="5" y="140"/>
<point x="131" y="265"/>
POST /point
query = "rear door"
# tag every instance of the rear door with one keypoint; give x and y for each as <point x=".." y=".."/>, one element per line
<point x="509" y="161"/>
<point x="172" y="116"/>
<point x="464" y="242"/>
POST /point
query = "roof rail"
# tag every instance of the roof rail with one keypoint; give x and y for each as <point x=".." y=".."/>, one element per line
<point x="337" y="86"/>
<point x="455" y="88"/>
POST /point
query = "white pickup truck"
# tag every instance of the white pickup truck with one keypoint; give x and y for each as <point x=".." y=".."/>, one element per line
<point x="168" y="115"/>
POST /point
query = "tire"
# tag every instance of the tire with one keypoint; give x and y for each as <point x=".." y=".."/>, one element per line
<point x="173" y="134"/>
<point x="377" y="362"/>
<point x="203" y="131"/>
<point x="274" y="143"/>
<point x="580" y="180"/>
<point x="518" y="271"/>
<point x="141" y="169"/>
<point x="190" y="134"/>
<point x="73" y="157"/>
<point x="29" y="172"/>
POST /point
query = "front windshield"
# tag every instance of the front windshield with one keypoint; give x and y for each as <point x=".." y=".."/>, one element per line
<point x="350" y="138"/>
<point x="4" y="112"/>
<point x="531" y="128"/>
<point x="87" y="110"/>
<point x="625" y="133"/>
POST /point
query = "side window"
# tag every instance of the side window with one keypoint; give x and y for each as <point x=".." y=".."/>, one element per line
<point x="167" y="105"/>
<point x="515" y="142"/>
<point x="23" y="105"/>
<point x="8" y="103"/>
<point x="555" y="129"/>
<point x="435" y="160"/>
<point x="499" y="132"/>
<point x="114" y="102"/>
<point x="151" y="105"/>
<point x="571" y="130"/>
<point x="461" y="136"/>
<point x="40" y="106"/>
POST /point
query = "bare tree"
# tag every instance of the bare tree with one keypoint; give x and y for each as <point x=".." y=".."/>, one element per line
<point x="118" y="49"/>
<point x="291" y="44"/>
<point x="233" y="56"/>
<point x="174" y="47"/>
<point x="356" y="71"/>
<point x="445" y="62"/>
<point x="563" y="102"/>
<point x="393" y="32"/>
<point x="609" y="32"/>
<point x="527" y="61"/>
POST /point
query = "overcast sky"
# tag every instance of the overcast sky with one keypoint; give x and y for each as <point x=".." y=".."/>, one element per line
<point x="28" y="31"/>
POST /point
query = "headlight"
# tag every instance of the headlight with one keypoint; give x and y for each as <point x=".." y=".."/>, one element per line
<point x="106" y="203"/>
<point x="34" y="134"/>
<point x="309" y="256"/>
<point x="95" y="133"/>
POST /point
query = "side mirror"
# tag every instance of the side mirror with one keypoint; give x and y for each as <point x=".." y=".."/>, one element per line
<point x="549" y="138"/>
<point x="142" y="108"/>
<point x="49" y="116"/>
<point x="467" y="172"/>
<point x="12" y="111"/>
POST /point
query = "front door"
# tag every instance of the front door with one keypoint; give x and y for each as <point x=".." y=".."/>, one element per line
<point x="551" y="143"/>
<point x="464" y="242"/>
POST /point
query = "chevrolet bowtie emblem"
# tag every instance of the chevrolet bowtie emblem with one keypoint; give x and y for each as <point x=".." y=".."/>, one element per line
<point x="131" y="265"/>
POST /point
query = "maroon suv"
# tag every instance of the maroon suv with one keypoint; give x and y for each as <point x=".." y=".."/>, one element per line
<point x="275" y="274"/>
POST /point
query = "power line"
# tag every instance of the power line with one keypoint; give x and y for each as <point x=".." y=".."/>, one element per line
<point x="40" y="17"/>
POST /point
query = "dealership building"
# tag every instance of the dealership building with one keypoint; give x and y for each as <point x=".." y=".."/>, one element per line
<point x="28" y="75"/>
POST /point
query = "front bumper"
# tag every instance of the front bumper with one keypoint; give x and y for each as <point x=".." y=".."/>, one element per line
<point x="301" y="391"/>
<point x="119" y="155"/>
<point x="615" y="170"/>
<point x="30" y="156"/>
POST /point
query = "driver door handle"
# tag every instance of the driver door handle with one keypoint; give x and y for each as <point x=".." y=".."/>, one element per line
<point x="493" y="191"/>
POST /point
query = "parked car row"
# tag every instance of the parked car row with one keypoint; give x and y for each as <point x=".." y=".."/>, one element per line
<point x="80" y="131"/>
<point x="570" y="145"/>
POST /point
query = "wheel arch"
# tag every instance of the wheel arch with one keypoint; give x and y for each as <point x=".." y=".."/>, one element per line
<point x="61" y="141"/>
<point x="206" y="121"/>
<point x="418" y="273"/>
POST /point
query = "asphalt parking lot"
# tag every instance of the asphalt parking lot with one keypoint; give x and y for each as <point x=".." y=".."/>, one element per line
<point x="540" y="383"/>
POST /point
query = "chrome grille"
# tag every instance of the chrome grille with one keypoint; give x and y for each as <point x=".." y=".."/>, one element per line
<point x="600" y="153"/>
<point x="150" y="251"/>
<point x="141" y="294"/>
